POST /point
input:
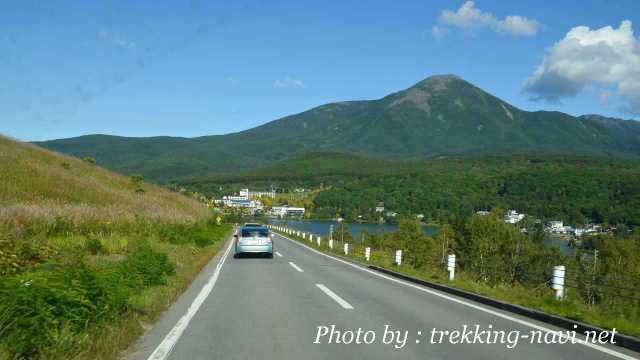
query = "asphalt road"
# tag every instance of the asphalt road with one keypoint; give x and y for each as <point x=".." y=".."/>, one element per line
<point x="260" y="308"/>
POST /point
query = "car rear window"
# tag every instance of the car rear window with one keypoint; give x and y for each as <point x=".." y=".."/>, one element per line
<point x="255" y="232"/>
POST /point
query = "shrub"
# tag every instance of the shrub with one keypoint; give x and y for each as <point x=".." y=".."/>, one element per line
<point x="148" y="267"/>
<point x="52" y="306"/>
<point x="94" y="246"/>
<point x="89" y="160"/>
<point x="52" y="302"/>
<point x="137" y="179"/>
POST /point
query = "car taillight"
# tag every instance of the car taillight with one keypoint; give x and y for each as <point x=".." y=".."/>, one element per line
<point x="270" y="238"/>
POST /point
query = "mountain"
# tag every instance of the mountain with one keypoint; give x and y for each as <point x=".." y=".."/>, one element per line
<point x="440" y="116"/>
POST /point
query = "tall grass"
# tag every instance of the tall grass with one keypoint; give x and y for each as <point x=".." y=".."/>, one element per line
<point x="42" y="185"/>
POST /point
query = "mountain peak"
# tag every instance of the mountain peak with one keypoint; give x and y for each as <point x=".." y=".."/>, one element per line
<point x="439" y="81"/>
<point x="421" y="93"/>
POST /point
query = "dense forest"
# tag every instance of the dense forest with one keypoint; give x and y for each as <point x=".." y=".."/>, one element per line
<point x="576" y="190"/>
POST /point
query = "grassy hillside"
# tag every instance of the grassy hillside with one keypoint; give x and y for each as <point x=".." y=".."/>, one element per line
<point x="441" y="116"/>
<point x="36" y="183"/>
<point x="87" y="255"/>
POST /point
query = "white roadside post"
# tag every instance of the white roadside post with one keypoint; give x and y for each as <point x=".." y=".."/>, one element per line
<point x="310" y="238"/>
<point x="451" y="266"/>
<point x="346" y="248"/>
<point x="367" y="253"/>
<point x="330" y="243"/>
<point x="398" y="257"/>
<point x="557" y="282"/>
<point x="304" y="236"/>
<point x="318" y="240"/>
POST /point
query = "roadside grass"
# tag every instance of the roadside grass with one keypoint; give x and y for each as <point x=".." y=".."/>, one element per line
<point x="539" y="297"/>
<point x="94" y="294"/>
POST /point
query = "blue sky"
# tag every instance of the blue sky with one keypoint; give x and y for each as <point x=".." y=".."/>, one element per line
<point x="199" y="67"/>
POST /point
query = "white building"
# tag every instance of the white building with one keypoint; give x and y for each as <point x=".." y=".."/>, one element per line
<point x="257" y="194"/>
<point x="556" y="226"/>
<point x="380" y="207"/>
<point x="285" y="211"/>
<point x="512" y="217"/>
<point x="240" y="202"/>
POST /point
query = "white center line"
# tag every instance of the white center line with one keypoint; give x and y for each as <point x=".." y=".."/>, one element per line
<point x="335" y="297"/>
<point x="277" y="253"/>
<point x="295" y="267"/>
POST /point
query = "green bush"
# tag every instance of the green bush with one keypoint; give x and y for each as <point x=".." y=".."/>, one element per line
<point x="50" y="302"/>
<point x="89" y="160"/>
<point x="137" y="179"/>
<point x="94" y="246"/>
<point x="51" y="306"/>
<point x="147" y="267"/>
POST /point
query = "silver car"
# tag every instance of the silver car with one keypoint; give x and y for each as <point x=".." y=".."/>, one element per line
<point x="253" y="240"/>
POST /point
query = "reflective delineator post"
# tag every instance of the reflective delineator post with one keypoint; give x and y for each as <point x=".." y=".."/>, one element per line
<point x="398" y="259"/>
<point x="367" y="253"/>
<point x="330" y="243"/>
<point x="310" y="237"/>
<point x="451" y="266"/>
<point x="557" y="282"/>
<point x="318" y="240"/>
<point x="346" y="248"/>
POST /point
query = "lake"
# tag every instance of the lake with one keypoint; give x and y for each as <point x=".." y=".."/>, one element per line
<point x="321" y="227"/>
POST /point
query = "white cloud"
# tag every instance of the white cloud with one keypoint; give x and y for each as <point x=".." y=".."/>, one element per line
<point x="470" y="18"/>
<point x="288" y="82"/>
<point x="518" y="26"/>
<point x="605" y="57"/>
<point x="439" y="32"/>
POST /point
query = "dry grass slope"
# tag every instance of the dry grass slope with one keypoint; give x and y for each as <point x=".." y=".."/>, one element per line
<point x="37" y="184"/>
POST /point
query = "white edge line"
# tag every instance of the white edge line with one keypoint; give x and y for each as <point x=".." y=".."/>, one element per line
<point x="295" y="266"/>
<point x="164" y="349"/>
<point x="335" y="297"/>
<point x="471" y="305"/>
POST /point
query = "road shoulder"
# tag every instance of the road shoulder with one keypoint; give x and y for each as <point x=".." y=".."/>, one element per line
<point x="146" y="344"/>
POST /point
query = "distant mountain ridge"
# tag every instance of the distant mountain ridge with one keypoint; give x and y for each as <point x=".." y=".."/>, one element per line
<point x="442" y="115"/>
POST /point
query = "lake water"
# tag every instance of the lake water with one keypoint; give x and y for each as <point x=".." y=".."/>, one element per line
<point x="322" y="228"/>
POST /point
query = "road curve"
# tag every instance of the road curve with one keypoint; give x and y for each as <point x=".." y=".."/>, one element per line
<point x="261" y="308"/>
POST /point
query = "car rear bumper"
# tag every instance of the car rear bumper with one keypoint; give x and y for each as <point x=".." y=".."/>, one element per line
<point x="254" y="248"/>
